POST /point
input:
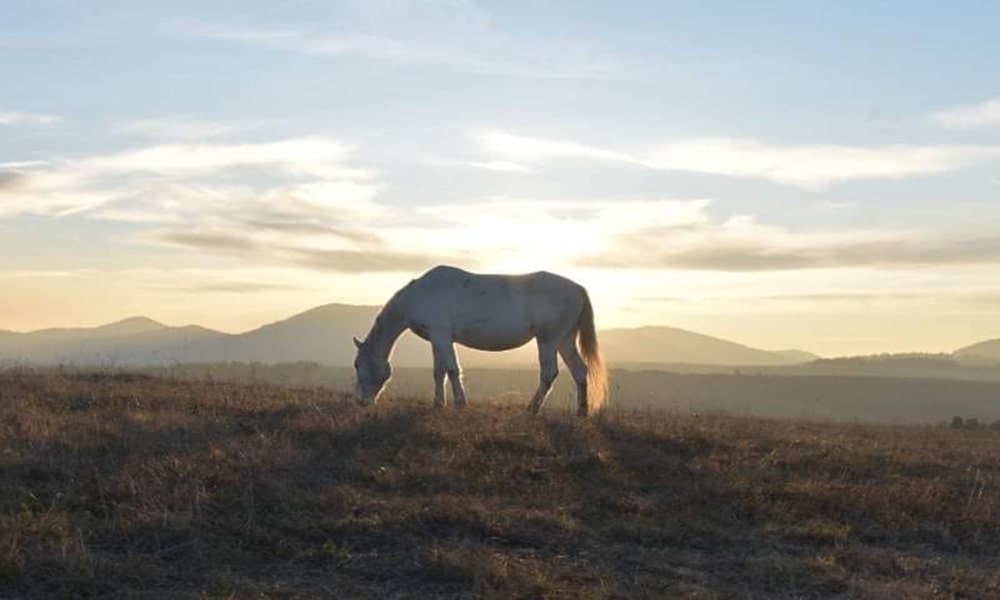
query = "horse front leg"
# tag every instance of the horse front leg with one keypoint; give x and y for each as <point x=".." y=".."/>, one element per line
<point x="439" y="372"/>
<point x="548" y="371"/>
<point x="449" y="362"/>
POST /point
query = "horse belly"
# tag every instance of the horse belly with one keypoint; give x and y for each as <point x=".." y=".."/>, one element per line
<point x="493" y="336"/>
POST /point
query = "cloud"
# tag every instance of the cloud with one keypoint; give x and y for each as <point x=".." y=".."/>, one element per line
<point x="239" y="287"/>
<point x="861" y="296"/>
<point x="540" y="150"/>
<point x="740" y="244"/>
<point x="172" y="178"/>
<point x="502" y="166"/>
<point x="362" y="261"/>
<point x="363" y="253"/>
<point x="302" y="203"/>
<point x="809" y="166"/>
<point x="989" y="298"/>
<point x="48" y="191"/>
<point x="471" y="47"/>
<point x="294" y="203"/>
<point x="182" y="127"/>
<point x="293" y="225"/>
<point x="318" y="225"/>
<point x="813" y="166"/>
<point x="677" y="235"/>
<point x="203" y="240"/>
<point x="11" y="180"/>
<point x="345" y="195"/>
<point x="24" y="118"/>
<point x="23" y="164"/>
<point x="132" y="215"/>
<point x="517" y="234"/>
<point x="984" y="114"/>
<point x="306" y="156"/>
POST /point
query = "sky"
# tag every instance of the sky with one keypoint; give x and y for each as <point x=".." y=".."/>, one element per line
<point x="823" y="176"/>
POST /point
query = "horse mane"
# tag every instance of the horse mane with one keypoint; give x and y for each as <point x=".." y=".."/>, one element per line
<point x="389" y="321"/>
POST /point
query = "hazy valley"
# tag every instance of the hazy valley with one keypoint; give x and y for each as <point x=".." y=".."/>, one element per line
<point x="658" y="368"/>
<point x="323" y="335"/>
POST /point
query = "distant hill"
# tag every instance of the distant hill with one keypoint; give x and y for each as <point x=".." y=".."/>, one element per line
<point x="323" y="335"/>
<point x="137" y="340"/>
<point x="673" y="345"/>
<point x="131" y="326"/>
<point x="797" y="356"/>
<point x="983" y="352"/>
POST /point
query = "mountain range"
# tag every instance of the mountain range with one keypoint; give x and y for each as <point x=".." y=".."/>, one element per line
<point x="323" y="335"/>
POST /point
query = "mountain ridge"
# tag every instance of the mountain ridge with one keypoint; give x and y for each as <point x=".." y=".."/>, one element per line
<point x="323" y="334"/>
<point x="986" y="351"/>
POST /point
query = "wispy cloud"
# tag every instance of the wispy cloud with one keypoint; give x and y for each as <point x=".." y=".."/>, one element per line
<point x="487" y="165"/>
<point x="358" y="253"/>
<point x="536" y="150"/>
<point x="302" y="203"/>
<point x="742" y="244"/>
<point x="145" y="177"/>
<point x="363" y="261"/>
<point x="205" y="240"/>
<point x="479" y="50"/>
<point x="27" y="118"/>
<point x="324" y="225"/>
<point x="11" y="180"/>
<point x="49" y="192"/>
<point x="182" y="128"/>
<point x="312" y="156"/>
<point x="815" y="165"/>
<point x="296" y="203"/>
<point x="984" y="114"/>
<point x="807" y="166"/>
<point x="680" y="235"/>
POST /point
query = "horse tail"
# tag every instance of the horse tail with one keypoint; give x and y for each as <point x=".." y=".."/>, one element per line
<point x="597" y="372"/>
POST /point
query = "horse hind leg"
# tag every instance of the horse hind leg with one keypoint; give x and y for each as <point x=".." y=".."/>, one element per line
<point x="578" y="368"/>
<point x="548" y="371"/>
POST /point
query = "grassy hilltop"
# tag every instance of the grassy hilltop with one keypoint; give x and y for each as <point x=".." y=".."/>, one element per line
<point x="130" y="484"/>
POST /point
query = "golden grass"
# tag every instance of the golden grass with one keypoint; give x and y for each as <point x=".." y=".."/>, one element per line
<point x="116" y="484"/>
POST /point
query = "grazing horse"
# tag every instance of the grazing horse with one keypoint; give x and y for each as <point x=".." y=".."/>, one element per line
<point x="487" y="312"/>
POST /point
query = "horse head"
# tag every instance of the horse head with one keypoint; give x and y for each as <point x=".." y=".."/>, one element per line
<point x="371" y="373"/>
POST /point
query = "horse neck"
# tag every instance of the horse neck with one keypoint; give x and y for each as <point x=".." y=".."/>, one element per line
<point x="389" y="325"/>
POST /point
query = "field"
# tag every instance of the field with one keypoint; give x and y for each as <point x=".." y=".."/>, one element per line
<point x="745" y="392"/>
<point x="125" y="484"/>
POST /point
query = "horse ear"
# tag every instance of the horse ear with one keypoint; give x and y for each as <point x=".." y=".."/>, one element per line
<point x="357" y="343"/>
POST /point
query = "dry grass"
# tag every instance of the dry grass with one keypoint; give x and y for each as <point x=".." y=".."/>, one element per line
<point x="132" y="485"/>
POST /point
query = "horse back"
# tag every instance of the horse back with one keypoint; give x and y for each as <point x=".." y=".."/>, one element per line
<point x="539" y="301"/>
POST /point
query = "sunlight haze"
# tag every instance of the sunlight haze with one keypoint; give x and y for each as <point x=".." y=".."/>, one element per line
<point x="786" y="175"/>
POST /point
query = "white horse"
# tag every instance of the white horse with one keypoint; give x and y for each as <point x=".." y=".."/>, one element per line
<point x="487" y="312"/>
